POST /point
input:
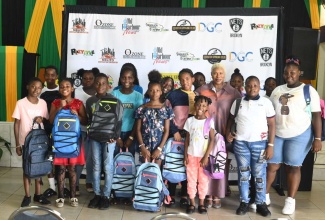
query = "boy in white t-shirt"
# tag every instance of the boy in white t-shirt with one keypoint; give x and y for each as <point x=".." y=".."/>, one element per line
<point x="253" y="145"/>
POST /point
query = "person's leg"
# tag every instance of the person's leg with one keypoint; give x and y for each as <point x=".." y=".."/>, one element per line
<point x="203" y="183"/>
<point x="89" y="163"/>
<point x="78" y="171"/>
<point x="96" y="153"/>
<point x="192" y="178"/>
<point x="72" y="180"/>
<point x="293" y="180"/>
<point x="27" y="198"/>
<point x="61" y="177"/>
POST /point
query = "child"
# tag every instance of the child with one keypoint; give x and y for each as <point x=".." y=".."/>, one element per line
<point x="195" y="156"/>
<point x="131" y="100"/>
<point x="270" y="84"/>
<point x="27" y="110"/>
<point x="182" y="102"/>
<point x="153" y="75"/>
<point x="167" y="84"/>
<point x="49" y="94"/>
<point x="83" y="93"/>
<point x="76" y="107"/>
<point x="237" y="81"/>
<point x="253" y="145"/>
<point x="102" y="153"/>
<point x="136" y="86"/>
<point x="199" y="80"/>
<point x="152" y="124"/>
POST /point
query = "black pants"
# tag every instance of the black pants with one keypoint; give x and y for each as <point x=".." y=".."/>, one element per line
<point x="172" y="188"/>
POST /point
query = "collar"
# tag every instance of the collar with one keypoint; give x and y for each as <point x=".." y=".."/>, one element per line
<point x="255" y="98"/>
<point x="227" y="87"/>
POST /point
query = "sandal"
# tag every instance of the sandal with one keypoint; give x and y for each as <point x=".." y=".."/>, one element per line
<point x="190" y="209"/>
<point x="202" y="209"/>
<point x="208" y="202"/>
<point x="216" y="203"/>
<point x="183" y="203"/>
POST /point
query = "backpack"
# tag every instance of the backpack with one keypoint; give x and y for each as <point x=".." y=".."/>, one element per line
<point x="218" y="156"/>
<point x="106" y="121"/>
<point x="35" y="152"/>
<point x="149" y="189"/>
<point x="123" y="175"/>
<point x="65" y="134"/>
<point x="174" y="169"/>
<point x="307" y="99"/>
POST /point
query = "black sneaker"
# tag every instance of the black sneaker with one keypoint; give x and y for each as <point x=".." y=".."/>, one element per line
<point x="41" y="199"/>
<point x="242" y="209"/>
<point x="49" y="192"/>
<point x="66" y="193"/>
<point x="263" y="210"/>
<point x="94" y="202"/>
<point x="103" y="203"/>
<point x="26" y="201"/>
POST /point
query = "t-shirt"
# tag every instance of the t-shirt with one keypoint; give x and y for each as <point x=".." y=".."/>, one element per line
<point x="252" y="118"/>
<point x="290" y="107"/>
<point x="25" y="111"/>
<point x="195" y="128"/>
<point x="80" y="94"/>
<point x="130" y="103"/>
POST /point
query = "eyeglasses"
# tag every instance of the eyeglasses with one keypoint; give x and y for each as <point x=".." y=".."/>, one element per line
<point x="292" y="60"/>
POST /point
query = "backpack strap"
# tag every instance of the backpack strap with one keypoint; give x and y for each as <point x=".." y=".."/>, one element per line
<point x="238" y="101"/>
<point x="307" y="94"/>
<point x="206" y="128"/>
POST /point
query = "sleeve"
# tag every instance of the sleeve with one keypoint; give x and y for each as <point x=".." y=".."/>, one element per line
<point x="314" y="100"/>
<point x="270" y="112"/>
<point x="187" y="124"/>
<point x="233" y="107"/>
<point x="16" y="113"/>
<point x="138" y="113"/>
<point x="212" y="124"/>
<point x="170" y="113"/>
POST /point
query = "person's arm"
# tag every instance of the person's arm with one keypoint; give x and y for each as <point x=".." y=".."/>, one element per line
<point x="82" y="115"/>
<point x="186" y="144"/>
<point x="157" y="152"/>
<point x="317" y="128"/>
<point x="53" y="112"/>
<point x="16" y="133"/>
<point x="144" y="151"/>
<point x="205" y="159"/>
<point x="229" y="135"/>
<point x="271" y="134"/>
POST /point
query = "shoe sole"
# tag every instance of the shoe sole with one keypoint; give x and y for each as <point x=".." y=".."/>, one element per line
<point x="74" y="204"/>
<point x="59" y="205"/>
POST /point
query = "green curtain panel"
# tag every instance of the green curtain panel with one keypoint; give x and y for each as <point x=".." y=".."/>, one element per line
<point x="187" y="3"/>
<point x="248" y="3"/>
<point x="111" y="2"/>
<point x="3" y="114"/>
<point x="265" y="3"/>
<point x="20" y="59"/>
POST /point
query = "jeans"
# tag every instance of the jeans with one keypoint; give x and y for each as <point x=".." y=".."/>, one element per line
<point x="132" y="149"/>
<point x="89" y="165"/>
<point x="102" y="156"/>
<point x="249" y="161"/>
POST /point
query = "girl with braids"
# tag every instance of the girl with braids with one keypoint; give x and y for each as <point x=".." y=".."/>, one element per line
<point x="196" y="153"/>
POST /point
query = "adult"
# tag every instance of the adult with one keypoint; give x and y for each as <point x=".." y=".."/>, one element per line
<point x="298" y="130"/>
<point x="222" y="95"/>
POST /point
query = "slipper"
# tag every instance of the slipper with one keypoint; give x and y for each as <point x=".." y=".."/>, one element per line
<point x="183" y="203"/>
<point x="190" y="209"/>
<point x="202" y="209"/>
<point x="215" y="204"/>
<point x="208" y="202"/>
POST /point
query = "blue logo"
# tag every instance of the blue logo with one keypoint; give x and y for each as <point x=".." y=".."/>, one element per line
<point x="210" y="27"/>
<point x="241" y="56"/>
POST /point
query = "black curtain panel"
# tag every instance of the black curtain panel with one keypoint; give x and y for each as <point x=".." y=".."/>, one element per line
<point x="225" y="3"/>
<point x="13" y="22"/>
<point x="159" y="3"/>
<point x="29" y="68"/>
<point x="92" y="2"/>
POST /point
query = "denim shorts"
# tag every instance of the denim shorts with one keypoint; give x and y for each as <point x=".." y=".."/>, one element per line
<point x="292" y="151"/>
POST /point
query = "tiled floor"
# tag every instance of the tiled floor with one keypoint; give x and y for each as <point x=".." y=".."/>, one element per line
<point x="310" y="205"/>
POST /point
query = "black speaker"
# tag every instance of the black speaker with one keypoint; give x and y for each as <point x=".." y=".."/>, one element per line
<point x="303" y="43"/>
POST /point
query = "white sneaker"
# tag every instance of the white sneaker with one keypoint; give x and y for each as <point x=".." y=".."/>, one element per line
<point x="74" y="202"/>
<point x="289" y="206"/>
<point x="267" y="199"/>
<point x="252" y="205"/>
<point x="59" y="202"/>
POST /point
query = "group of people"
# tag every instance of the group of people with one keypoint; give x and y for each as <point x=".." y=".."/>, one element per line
<point x="266" y="135"/>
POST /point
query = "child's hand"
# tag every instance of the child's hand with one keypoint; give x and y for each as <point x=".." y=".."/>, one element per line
<point x="111" y="141"/>
<point x="38" y="119"/>
<point x="145" y="153"/>
<point x="268" y="153"/>
<point x="185" y="160"/>
<point x="156" y="154"/>
<point x="119" y="142"/>
<point x="19" y="150"/>
<point x="177" y="136"/>
<point x="128" y="143"/>
<point x="63" y="103"/>
<point x="230" y="137"/>
<point x="204" y="162"/>
<point x="73" y="111"/>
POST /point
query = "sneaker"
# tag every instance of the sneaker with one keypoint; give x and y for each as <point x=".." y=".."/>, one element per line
<point x="59" y="202"/>
<point x="252" y="205"/>
<point x="74" y="202"/>
<point x="49" y="192"/>
<point x="103" y="203"/>
<point x="263" y="210"/>
<point x="94" y="202"/>
<point x="41" y="199"/>
<point x="267" y="199"/>
<point x="77" y="191"/>
<point x="242" y="209"/>
<point x="66" y="193"/>
<point x="26" y="201"/>
<point x="289" y="206"/>
<point x="89" y="187"/>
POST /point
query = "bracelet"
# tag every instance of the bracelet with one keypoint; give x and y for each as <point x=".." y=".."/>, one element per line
<point x="131" y="138"/>
<point x="19" y="146"/>
<point x="141" y="145"/>
<point x="159" y="148"/>
<point x="269" y="144"/>
<point x="318" y="139"/>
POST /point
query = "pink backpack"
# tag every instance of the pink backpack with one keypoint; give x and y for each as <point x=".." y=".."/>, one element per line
<point x="218" y="156"/>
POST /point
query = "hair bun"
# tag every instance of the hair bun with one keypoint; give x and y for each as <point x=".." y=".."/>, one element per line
<point x="236" y="71"/>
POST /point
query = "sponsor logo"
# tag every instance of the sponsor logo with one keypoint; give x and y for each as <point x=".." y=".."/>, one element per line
<point x="186" y="56"/>
<point x="236" y="24"/>
<point x="240" y="56"/>
<point x="107" y="56"/>
<point x="110" y="81"/>
<point x="262" y="26"/>
<point x="214" y="55"/>
<point x="209" y="27"/>
<point x="183" y="27"/>
<point x="128" y="27"/>
<point x="82" y="52"/>
<point x="76" y="79"/>
<point x="266" y="54"/>
<point x="159" y="57"/>
<point x="78" y="26"/>
<point x="128" y="54"/>
<point x="99" y="24"/>
<point x="155" y="27"/>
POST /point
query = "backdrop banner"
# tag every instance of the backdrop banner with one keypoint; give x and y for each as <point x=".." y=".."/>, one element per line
<point x="169" y="40"/>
